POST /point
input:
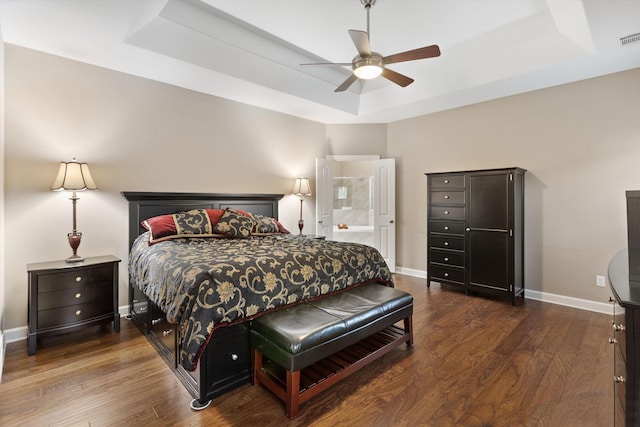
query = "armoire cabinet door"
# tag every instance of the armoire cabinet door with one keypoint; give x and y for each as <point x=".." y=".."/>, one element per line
<point x="488" y="231"/>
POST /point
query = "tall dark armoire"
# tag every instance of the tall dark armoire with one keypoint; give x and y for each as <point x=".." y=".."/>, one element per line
<point x="475" y="230"/>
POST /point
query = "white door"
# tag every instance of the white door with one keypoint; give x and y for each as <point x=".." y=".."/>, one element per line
<point x="324" y="198"/>
<point x="384" y="209"/>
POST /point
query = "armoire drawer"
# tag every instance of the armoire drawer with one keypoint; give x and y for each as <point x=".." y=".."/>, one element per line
<point x="447" y="274"/>
<point x="454" y="243"/>
<point x="448" y="197"/>
<point x="446" y="181"/>
<point x="447" y="257"/>
<point x="446" y="227"/>
<point x="447" y="212"/>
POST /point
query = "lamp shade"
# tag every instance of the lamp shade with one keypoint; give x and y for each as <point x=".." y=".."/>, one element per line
<point x="73" y="176"/>
<point x="302" y="187"/>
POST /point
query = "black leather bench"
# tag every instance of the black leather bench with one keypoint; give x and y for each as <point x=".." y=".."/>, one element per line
<point x="302" y="350"/>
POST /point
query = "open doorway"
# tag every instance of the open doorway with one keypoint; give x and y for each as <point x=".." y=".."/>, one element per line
<point x="356" y="202"/>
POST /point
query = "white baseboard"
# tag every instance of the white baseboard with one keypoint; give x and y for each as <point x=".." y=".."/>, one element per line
<point x="583" y="304"/>
<point x="20" y="333"/>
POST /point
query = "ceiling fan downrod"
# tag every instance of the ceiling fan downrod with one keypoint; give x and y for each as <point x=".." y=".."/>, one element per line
<point x="367" y="5"/>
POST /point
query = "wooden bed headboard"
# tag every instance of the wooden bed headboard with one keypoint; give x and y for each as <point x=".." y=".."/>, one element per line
<point x="143" y="205"/>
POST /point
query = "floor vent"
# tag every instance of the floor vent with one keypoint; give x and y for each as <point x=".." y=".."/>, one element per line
<point x="633" y="38"/>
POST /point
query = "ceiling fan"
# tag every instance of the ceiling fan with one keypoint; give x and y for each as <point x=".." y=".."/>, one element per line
<point x="368" y="64"/>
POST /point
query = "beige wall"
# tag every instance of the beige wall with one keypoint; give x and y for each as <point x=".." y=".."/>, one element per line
<point x="581" y="145"/>
<point x="136" y="135"/>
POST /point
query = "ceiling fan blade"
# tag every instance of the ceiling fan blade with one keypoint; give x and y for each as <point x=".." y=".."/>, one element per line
<point x="340" y="64"/>
<point x="411" y="55"/>
<point x="397" y="78"/>
<point x="345" y="84"/>
<point x="361" y="40"/>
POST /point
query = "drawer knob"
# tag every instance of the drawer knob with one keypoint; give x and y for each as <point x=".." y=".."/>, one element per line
<point x="446" y="259"/>
<point x="167" y="332"/>
<point x="446" y="212"/>
<point x="446" y="243"/>
<point x="619" y="327"/>
<point x="618" y="379"/>
<point x="156" y="321"/>
<point x="78" y="278"/>
<point x="446" y="274"/>
<point x="78" y="295"/>
<point x="446" y="227"/>
<point x="613" y="341"/>
<point x="234" y="357"/>
<point x="446" y="197"/>
<point x="446" y="181"/>
<point x="78" y="312"/>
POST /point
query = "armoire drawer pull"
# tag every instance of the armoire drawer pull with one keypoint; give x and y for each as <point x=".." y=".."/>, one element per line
<point x="78" y="312"/>
<point x="618" y="379"/>
<point x="446" y="259"/>
<point x="234" y="357"/>
<point x="446" y="181"/>
<point x="78" y="295"/>
<point x="156" y="321"/>
<point x="446" y="243"/>
<point x="446" y="274"/>
<point x="618" y="327"/>
<point x="446" y="212"/>
<point x="446" y="197"/>
<point x="167" y="332"/>
<point x="446" y="227"/>
<point x="78" y="278"/>
<point x="613" y="341"/>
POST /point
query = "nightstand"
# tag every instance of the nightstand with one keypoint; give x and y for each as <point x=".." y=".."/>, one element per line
<point x="65" y="296"/>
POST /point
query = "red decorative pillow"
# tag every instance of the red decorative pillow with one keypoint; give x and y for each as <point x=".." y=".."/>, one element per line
<point x="193" y="223"/>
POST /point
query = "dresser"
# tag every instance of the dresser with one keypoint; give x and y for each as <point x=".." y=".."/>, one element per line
<point x="475" y="230"/>
<point x="625" y="340"/>
<point x="66" y="296"/>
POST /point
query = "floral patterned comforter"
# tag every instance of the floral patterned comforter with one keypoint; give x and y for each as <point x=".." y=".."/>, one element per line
<point x="204" y="283"/>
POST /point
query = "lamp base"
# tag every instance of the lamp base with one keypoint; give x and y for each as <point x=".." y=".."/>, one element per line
<point x="301" y="226"/>
<point x="74" y="241"/>
<point x="74" y="258"/>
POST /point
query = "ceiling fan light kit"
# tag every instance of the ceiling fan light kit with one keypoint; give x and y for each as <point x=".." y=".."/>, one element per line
<point x="368" y="68"/>
<point x="369" y="65"/>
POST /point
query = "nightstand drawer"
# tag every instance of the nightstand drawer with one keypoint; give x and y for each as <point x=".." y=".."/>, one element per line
<point x="67" y="316"/>
<point x="74" y="279"/>
<point x="84" y="294"/>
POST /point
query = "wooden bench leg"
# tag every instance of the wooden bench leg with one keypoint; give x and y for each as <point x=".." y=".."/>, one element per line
<point x="408" y="327"/>
<point x="256" y="366"/>
<point x="293" y="394"/>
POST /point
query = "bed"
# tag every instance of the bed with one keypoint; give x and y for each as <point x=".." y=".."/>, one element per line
<point x="194" y="292"/>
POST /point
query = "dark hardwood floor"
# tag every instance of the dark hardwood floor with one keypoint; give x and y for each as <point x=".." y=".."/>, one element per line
<point x="476" y="361"/>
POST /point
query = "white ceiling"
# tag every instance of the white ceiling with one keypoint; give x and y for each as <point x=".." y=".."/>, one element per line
<point x="250" y="50"/>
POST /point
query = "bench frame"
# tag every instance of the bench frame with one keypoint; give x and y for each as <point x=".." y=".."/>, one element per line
<point x="294" y="388"/>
